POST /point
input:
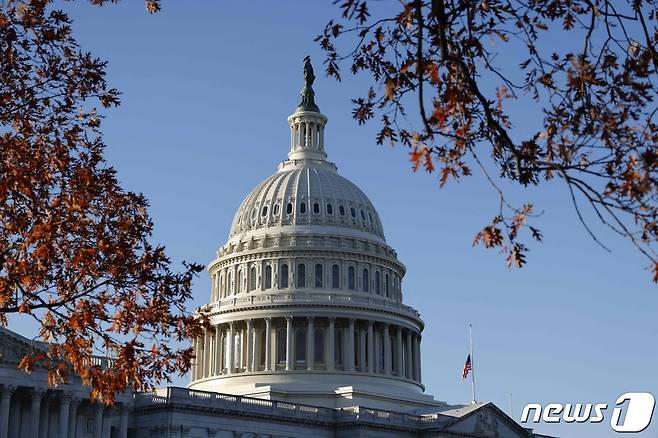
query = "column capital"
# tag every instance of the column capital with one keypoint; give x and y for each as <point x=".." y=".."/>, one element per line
<point x="38" y="391"/>
<point x="231" y="324"/>
<point x="288" y="318"/>
<point x="268" y="319"/>
<point x="371" y="323"/>
<point x="310" y="318"/>
<point x="7" y="391"/>
<point x="332" y="319"/>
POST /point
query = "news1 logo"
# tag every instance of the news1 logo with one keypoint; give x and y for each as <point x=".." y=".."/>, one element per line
<point x="637" y="412"/>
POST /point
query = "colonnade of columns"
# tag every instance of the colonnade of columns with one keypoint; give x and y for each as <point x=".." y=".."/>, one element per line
<point x="308" y="343"/>
<point x="39" y="405"/>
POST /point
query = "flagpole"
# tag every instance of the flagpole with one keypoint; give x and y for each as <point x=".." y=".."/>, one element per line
<point x="470" y="335"/>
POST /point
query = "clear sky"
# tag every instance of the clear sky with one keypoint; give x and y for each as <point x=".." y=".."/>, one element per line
<point x="207" y="87"/>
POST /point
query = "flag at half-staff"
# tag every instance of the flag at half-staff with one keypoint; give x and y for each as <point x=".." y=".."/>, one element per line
<point x="467" y="367"/>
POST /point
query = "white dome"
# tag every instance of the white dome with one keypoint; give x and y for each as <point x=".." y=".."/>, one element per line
<point x="307" y="195"/>
<point x="306" y="295"/>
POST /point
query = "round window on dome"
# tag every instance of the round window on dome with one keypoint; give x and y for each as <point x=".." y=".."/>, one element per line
<point x="289" y="208"/>
<point x="316" y="208"/>
<point x="302" y="208"/>
<point x="330" y="209"/>
<point x="276" y="209"/>
<point x="264" y="212"/>
<point x="341" y="210"/>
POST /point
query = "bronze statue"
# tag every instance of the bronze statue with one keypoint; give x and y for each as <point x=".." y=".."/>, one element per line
<point x="309" y="77"/>
<point x="308" y="95"/>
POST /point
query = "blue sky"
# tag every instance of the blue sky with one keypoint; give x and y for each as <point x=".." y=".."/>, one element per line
<point x="207" y="87"/>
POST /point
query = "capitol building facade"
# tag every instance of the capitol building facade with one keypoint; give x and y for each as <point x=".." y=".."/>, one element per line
<point x="310" y="336"/>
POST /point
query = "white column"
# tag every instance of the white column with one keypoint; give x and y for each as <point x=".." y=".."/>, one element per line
<point x="371" y="348"/>
<point x="362" y="350"/>
<point x="398" y="352"/>
<point x="387" y="351"/>
<point x="415" y="358"/>
<point x="290" y="364"/>
<point x="255" y="350"/>
<point x="250" y="349"/>
<point x="331" y="357"/>
<point x="420" y="368"/>
<point x="73" y="418"/>
<point x="218" y="350"/>
<point x="268" y="344"/>
<point x="45" y="418"/>
<point x="35" y="411"/>
<point x="408" y="359"/>
<point x="64" y="405"/>
<point x="5" y="400"/>
<point x="123" y="422"/>
<point x="310" y="344"/>
<point x="98" y="420"/>
<point x="349" y="360"/>
<point x="229" y="348"/>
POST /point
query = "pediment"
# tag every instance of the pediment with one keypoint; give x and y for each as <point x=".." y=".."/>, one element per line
<point x="487" y="422"/>
<point x="14" y="346"/>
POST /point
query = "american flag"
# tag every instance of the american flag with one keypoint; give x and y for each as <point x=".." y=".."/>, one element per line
<point x="467" y="367"/>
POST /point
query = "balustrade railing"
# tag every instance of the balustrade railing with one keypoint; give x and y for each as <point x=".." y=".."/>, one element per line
<point x="250" y="299"/>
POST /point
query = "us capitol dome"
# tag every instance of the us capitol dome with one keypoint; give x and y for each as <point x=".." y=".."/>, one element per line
<point x="307" y="300"/>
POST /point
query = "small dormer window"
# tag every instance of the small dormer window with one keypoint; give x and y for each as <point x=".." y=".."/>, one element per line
<point x="289" y="208"/>
<point x="363" y="216"/>
<point x="302" y="208"/>
<point x="276" y="209"/>
<point x="316" y="208"/>
<point x="341" y="210"/>
<point x="264" y="212"/>
<point x="330" y="209"/>
<point x="370" y="216"/>
<point x="353" y="211"/>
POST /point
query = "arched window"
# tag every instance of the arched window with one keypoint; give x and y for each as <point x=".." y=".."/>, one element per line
<point x="264" y="212"/>
<point x="238" y="287"/>
<point x="341" y="210"/>
<point x="316" y="208"/>
<point x="302" y="208"/>
<point x="268" y="277"/>
<point x="378" y="283"/>
<point x="353" y="212"/>
<point x="338" y="346"/>
<point x="330" y="209"/>
<point x="318" y="275"/>
<point x="365" y="280"/>
<point x="300" y="345"/>
<point x="261" y="359"/>
<point x="229" y="284"/>
<point x="281" y="346"/>
<point x="350" y="278"/>
<point x="319" y="346"/>
<point x="335" y="277"/>
<point x="301" y="275"/>
<point x="289" y="208"/>
<point x="387" y="286"/>
<point x="275" y="210"/>
<point x="283" y="281"/>
<point x="252" y="279"/>
<point x="363" y="216"/>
